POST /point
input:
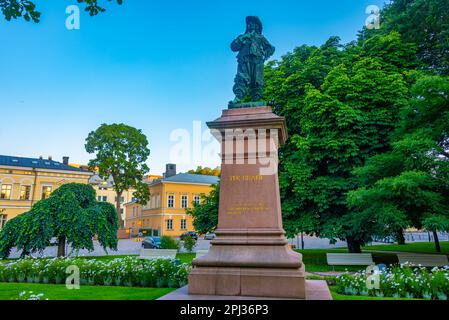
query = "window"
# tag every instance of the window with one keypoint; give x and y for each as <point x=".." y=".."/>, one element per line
<point x="103" y="198"/>
<point x="171" y="200"/>
<point x="184" y="199"/>
<point x="6" y="191"/>
<point x="158" y="201"/>
<point x="46" y="191"/>
<point x="169" y="224"/>
<point x="2" y="220"/>
<point x="183" y="224"/>
<point x="25" y="192"/>
<point x="197" y="199"/>
<point x="122" y="199"/>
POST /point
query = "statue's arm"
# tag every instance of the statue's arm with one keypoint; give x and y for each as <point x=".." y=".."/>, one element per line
<point x="237" y="44"/>
<point x="268" y="48"/>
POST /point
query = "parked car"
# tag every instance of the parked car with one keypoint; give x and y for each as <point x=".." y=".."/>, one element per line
<point x="190" y="234"/>
<point x="151" y="243"/>
<point x="209" y="236"/>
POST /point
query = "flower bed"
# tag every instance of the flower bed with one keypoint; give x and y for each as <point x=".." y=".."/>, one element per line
<point x="127" y="271"/>
<point x="399" y="281"/>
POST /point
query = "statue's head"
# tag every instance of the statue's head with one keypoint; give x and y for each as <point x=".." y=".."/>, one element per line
<point x="253" y="24"/>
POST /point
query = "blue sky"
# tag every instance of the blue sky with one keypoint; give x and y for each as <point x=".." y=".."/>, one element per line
<point x="153" y="64"/>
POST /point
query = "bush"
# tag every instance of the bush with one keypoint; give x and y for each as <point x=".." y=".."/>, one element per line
<point x="399" y="281"/>
<point x="169" y="243"/>
<point x="127" y="271"/>
<point x="189" y="243"/>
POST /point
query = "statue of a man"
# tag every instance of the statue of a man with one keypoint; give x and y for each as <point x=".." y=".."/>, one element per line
<point x="253" y="50"/>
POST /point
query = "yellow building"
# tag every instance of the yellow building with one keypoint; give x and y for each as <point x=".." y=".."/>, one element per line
<point x="24" y="181"/>
<point x="165" y="213"/>
<point x="106" y="193"/>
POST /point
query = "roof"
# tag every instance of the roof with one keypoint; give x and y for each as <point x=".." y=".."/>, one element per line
<point x="189" y="178"/>
<point x="95" y="179"/>
<point x="37" y="163"/>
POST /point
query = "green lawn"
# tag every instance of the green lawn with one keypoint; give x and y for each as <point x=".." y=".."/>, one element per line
<point x="416" y="247"/>
<point x="10" y="291"/>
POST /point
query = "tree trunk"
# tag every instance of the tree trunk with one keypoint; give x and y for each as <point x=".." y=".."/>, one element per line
<point x="61" y="247"/>
<point x="437" y="241"/>
<point x="400" y="237"/>
<point x="354" y="246"/>
<point x="117" y="207"/>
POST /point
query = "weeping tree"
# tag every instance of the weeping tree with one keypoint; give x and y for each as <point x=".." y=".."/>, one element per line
<point x="71" y="214"/>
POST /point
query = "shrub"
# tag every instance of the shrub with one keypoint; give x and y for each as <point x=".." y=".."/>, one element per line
<point x="189" y="243"/>
<point x="169" y="243"/>
<point x="399" y="281"/>
<point x="127" y="271"/>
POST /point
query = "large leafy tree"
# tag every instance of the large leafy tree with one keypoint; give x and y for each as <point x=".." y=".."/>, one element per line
<point x="205" y="213"/>
<point x="70" y="214"/>
<point x="341" y="104"/>
<point x="409" y="186"/>
<point x="422" y="22"/>
<point x="14" y="9"/>
<point x="121" y="152"/>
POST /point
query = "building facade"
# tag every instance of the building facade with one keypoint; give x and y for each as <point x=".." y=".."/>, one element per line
<point x="106" y="193"/>
<point x="164" y="214"/>
<point x="24" y="181"/>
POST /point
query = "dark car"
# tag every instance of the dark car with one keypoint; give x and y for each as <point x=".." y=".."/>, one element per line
<point x="151" y="243"/>
<point x="190" y="234"/>
<point x="209" y="236"/>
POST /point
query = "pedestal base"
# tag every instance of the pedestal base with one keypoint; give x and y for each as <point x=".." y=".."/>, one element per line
<point x="262" y="282"/>
<point x="315" y="290"/>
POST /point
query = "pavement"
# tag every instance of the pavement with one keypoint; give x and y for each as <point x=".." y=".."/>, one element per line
<point x="130" y="246"/>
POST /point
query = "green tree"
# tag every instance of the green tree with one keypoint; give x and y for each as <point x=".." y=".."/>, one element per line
<point x="14" y="9"/>
<point x="205" y="213"/>
<point x="70" y="214"/>
<point x="341" y="104"/>
<point x="409" y="185"/>
<point x="120" y="153"/>
<point x="422" y="22"/>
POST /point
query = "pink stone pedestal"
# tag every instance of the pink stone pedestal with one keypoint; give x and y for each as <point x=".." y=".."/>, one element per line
<point x="250" y="255"/>
<point x="315" y="290"/>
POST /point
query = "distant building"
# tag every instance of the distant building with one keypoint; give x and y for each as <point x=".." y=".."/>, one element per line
<point x="24" y="181"/>
<point x="164" y="214"/>
<point x="105" y="192"/>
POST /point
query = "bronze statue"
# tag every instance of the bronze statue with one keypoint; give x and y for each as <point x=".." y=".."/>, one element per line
<point x="253" y="50"/>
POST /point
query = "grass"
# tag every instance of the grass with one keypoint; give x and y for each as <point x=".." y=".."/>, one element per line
<point x="10" y="291"/>
<point x="416" y="247"/>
